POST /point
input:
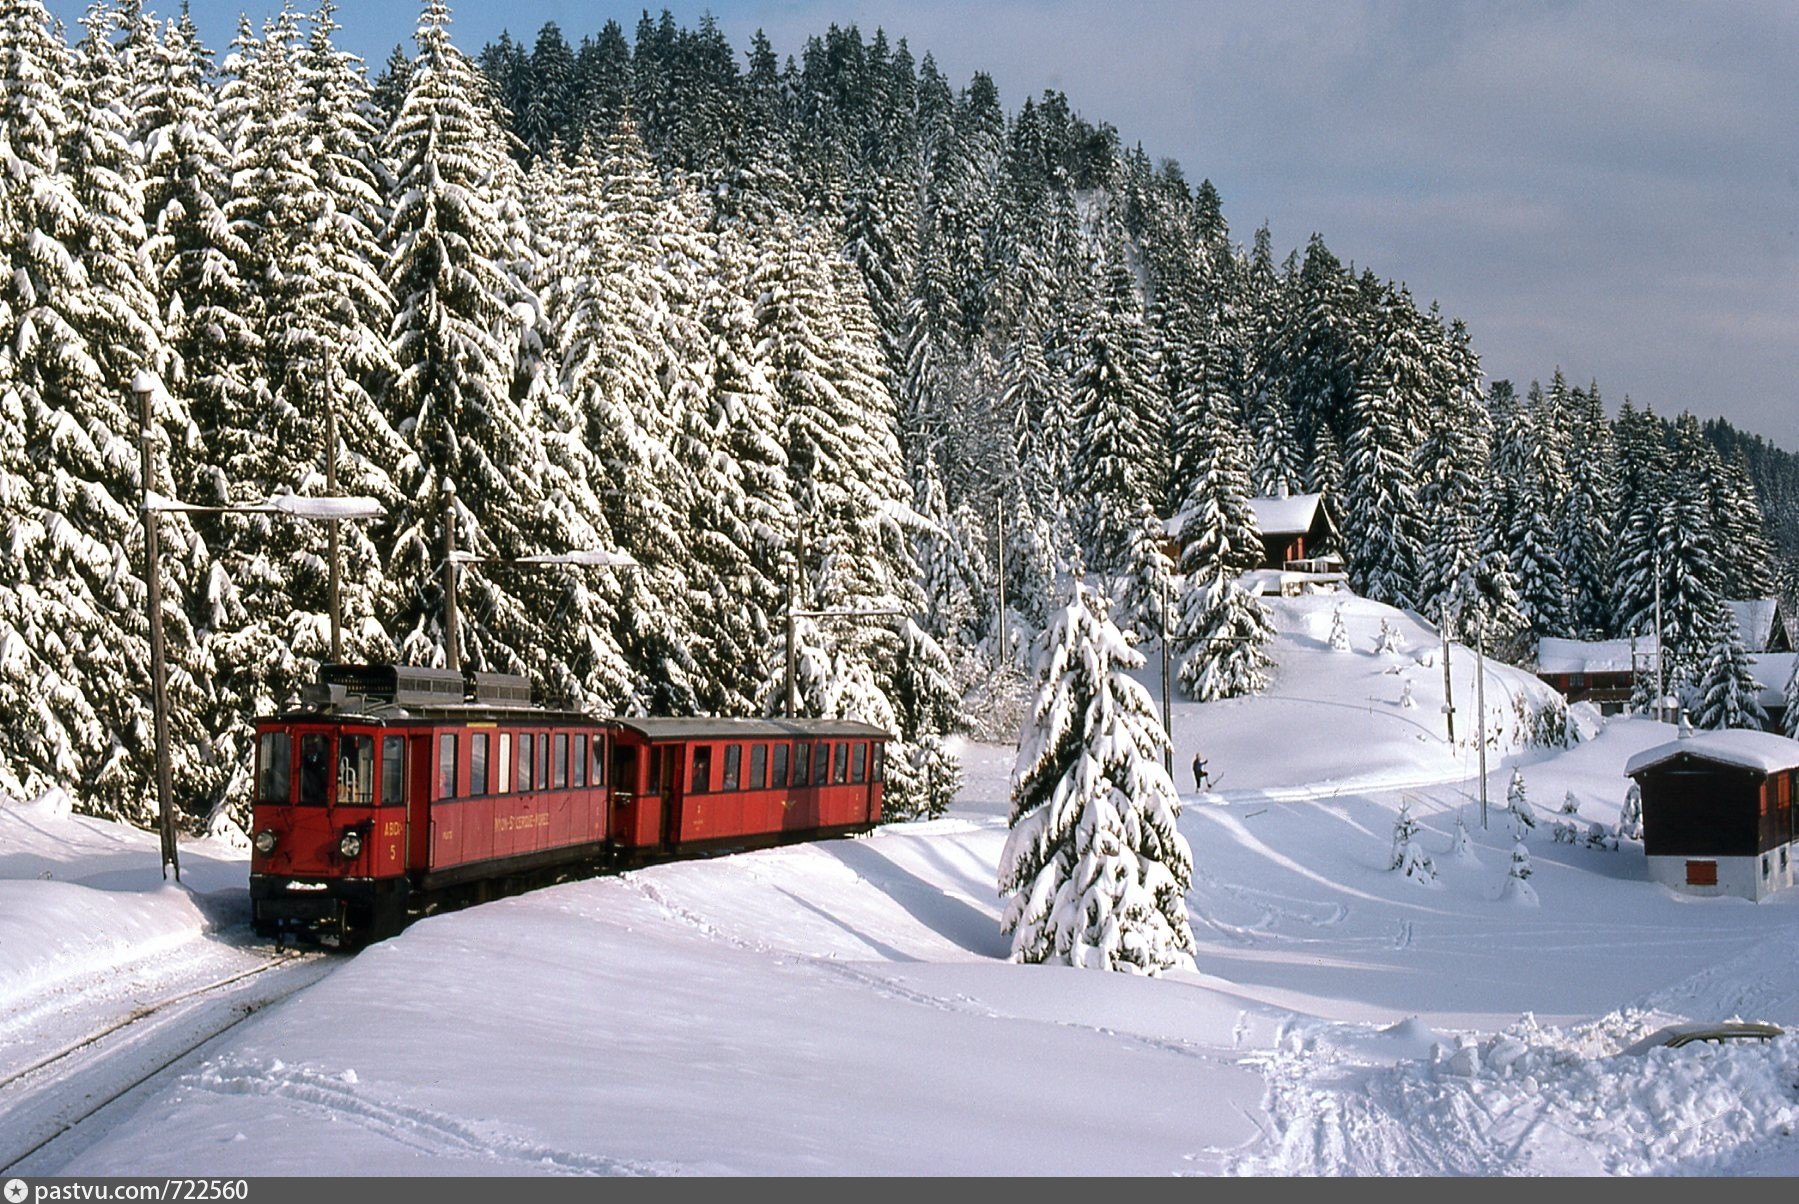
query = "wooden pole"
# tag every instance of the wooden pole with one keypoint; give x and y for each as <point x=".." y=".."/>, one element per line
<point x="144" y="386"/>
<point x="1480" y="705"/>
<point x="452" y="649"/>
<point x="1448" y="690"/>
<point x="336" y="579"/>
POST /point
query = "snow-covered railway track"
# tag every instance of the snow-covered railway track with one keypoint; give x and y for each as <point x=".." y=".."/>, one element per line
<point x="45" y="1107"/>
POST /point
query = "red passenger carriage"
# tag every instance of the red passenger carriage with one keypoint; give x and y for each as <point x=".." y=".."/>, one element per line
<point x="393" y="790"/>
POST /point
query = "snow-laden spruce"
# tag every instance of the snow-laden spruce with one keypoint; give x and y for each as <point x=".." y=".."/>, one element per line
<point x="1095" y="871"/>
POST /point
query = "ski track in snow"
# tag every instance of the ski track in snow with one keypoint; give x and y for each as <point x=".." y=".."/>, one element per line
<point x="432" y="1134"/>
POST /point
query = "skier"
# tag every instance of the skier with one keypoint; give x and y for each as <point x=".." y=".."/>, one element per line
<point x="1200" y="777"/>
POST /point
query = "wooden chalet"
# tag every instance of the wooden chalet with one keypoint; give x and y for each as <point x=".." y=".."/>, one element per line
<point x="1718" y="812"/>
<point x="1298" y="538"/>
<point x="1598" y="671"/>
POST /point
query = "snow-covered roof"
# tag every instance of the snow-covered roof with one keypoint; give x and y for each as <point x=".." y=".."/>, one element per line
<point x="1592" y="656"/>
<point x="1291" y="515"/>
<point x="1763" y="752"/>
<point x="1772" y="670"/>
<point x="1262" y="582"/>
<point x="1755" y="620"/>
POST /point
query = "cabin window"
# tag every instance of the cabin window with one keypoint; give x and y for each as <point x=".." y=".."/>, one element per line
<point x="821" y="762"/>
<point x="559" y="761"/>
<point x="477" y="763"/>
<point x="801" y="754"/>
<point x="778" y="778"/>
<point x="1766" y="868"/>
<point x="1702" y="873"/>
<point x="702" y="770"/>
<point x="393" y="771"/>
<point x="503" y="763"/>
<point x="527" y="747"/>
<point x="733" y="766"/>
<point x="446" y="765"/>
<point x="758" y="766"/>
<point x="859" y="767"/>
<point x="355" y="771"/>
<point x="315" y="769"/>
<point x="274" y="774"/>
<point x="880" y="762"/>
<point x="577" y="764"/>
<point x="1786" y="789"/>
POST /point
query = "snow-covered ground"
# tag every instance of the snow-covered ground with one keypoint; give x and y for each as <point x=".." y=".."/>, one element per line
<point x="846" y="1007"/>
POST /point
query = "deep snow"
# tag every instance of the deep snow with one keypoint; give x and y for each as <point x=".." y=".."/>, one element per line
<point x="845" y="1007"/>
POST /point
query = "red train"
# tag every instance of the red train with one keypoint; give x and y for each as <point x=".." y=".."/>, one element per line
<point x="392" y="791"/>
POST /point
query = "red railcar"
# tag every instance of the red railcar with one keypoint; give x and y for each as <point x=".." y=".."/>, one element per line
<point x="392" y="790"/>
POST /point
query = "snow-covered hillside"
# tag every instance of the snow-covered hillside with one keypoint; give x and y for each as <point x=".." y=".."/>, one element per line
<point x="846" y="1007"/>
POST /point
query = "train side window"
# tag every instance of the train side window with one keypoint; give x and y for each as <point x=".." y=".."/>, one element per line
<point x="315" y="769"/>
<point x="778" y="778"/>
<point x="559" y="761"/>
<point x="577" y="764"/>
<point x="393" y="771"/>
<point x="477" y="763"/>
<point x="758" y="766"/>
<point x="702" y="770"/>
<point x="543" y="760"/>
<point x="355" y="770"/>
<point x="654" y="784"/>
<point x="859" y="767"/>
<point x="504" y="764"/>
<point x="599" y="761"/>
<point x="274" y="773"/>
<point x="821" y="762"/>
<point x="446" y="765"/>
<point x="880" y="763"/>
<point x="733" y="766"/>
<point x="527" y="747"/>
<point x="802" y="760"/>
<point x="840" y="762"/>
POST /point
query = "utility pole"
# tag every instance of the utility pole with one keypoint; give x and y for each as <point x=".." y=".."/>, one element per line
<point x="999" y="518"/>
<point x="336" y="579"/>
<point x="1167" y="709"/>
<point x="1480" y="705"/>
<point x="1661" y="689"/>
<point x="792" y="645"/>
<point x="452" y="653"/>
<point x="1448" y="692"/>
<point x="143" y="387"/>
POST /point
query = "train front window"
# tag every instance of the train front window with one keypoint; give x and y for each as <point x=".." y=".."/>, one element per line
<point x="702" y="770"/>
<point x="315" y="769"/>
<point x="393" y="771"/>
<point x="477" y="763"/>
<point x="733" y="766"/>
<point x="758" y="766"/>
<point x="355" y="771"/>
<point x="778" y="779"/>
<point x="274" y="776"/>
<point x="446" y="765"/>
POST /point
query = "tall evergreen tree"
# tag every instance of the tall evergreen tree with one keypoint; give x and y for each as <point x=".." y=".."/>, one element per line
<point x="1095" y="871"/>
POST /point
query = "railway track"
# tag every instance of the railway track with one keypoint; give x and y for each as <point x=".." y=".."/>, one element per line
<point x="48" y="1105"/>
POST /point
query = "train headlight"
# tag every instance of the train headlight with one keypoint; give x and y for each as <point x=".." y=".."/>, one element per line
<point x="265" y="841"/>
<point x="351" y="844"/>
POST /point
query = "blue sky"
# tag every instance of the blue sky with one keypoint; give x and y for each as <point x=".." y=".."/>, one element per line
<point x="1608" y="187"/>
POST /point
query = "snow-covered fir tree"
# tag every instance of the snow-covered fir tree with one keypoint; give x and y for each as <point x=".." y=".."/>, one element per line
<point x="1517" y="804"/>
<point x="1517" y="887"/>
<point x="1729" y="695"/>
<point x="1095" y="870"/>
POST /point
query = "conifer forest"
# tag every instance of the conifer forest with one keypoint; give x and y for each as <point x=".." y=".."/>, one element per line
<point x="821" y="332"/>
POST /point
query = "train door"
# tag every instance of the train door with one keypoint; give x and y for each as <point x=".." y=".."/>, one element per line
<point x="669" y="768"/>
<point x="419" y="765"/>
